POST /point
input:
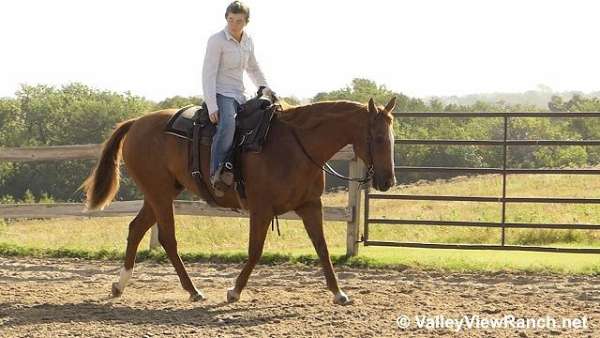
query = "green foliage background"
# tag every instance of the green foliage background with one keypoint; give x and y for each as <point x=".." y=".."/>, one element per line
<point x="482" y="129"/>
<point x="42" y="115"/>
<point x="73" y="114"/>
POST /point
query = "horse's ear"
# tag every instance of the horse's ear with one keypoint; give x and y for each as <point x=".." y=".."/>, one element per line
<point x="372" y="107"/>
<point x="391" y="105"/>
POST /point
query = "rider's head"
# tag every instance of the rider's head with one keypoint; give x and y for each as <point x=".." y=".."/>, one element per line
<point x="237" y="16"/>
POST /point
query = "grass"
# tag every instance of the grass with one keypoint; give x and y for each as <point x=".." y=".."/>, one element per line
<point x="490" y="185"/>
<point x="225" y="239"/>
<point x="370" y="257"/>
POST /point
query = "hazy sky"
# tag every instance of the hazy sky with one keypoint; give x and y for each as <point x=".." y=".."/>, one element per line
<point x="420" y="48"/>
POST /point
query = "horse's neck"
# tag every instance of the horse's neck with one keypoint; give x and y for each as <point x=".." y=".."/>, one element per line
<point x="325" y="140"/>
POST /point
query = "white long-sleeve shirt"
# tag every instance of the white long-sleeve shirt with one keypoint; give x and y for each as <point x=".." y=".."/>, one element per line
<point x="224" y="65"/>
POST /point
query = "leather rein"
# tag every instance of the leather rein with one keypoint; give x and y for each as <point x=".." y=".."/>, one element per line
<point x="329" y="170"/>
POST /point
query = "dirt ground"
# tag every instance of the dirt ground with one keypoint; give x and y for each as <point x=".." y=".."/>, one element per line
<point x="68" y="297"/>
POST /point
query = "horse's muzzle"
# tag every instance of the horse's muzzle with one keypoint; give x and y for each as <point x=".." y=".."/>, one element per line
<point x="384" y="184"/>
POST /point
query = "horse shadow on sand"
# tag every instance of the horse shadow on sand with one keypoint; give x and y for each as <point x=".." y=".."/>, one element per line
<point x="203" y="315"/>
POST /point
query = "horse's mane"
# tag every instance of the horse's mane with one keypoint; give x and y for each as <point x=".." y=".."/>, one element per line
<point x="311" y="115"/>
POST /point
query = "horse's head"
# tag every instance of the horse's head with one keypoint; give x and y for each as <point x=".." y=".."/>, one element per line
<point x="377" y="147"/>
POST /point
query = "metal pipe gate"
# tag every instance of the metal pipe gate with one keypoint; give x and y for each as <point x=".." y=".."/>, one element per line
<point x="503" y="199"/>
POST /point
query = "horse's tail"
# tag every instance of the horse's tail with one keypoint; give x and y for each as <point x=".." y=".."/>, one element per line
<point x="102" y="185"/>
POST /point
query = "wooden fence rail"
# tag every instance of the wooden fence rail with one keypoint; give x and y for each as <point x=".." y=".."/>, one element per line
<point x="349" y="214"/>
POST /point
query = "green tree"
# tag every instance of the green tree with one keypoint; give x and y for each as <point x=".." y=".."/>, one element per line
<point x="291" y="100"/>
<point x="178" y="102"/>
<point x="73" y="114"/>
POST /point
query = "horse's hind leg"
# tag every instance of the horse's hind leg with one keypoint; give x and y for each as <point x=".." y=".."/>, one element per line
<point x="137" y="228"/>
<point x="259" y="225"/>
<point x="166" y="236"/>
<point x="312" y="217"/>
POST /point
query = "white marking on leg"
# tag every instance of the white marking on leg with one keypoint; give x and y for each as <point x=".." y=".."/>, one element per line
<point x="341" y="298"/>
<point x="232" y="295"/>
<point x="124" y="277"/>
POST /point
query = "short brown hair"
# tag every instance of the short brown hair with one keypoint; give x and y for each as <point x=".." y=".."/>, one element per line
<point x="237" y="7"/>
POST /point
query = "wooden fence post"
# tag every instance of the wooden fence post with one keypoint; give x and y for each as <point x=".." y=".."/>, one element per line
<point x="154" y="237"/>
<point x="92" y="151"/>
<point x="357" y="169"/>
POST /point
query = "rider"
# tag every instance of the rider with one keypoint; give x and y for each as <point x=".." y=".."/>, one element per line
<point x="229" y="53"/>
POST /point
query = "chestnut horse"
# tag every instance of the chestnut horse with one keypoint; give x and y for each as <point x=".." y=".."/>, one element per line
<point x="285" y="176"/>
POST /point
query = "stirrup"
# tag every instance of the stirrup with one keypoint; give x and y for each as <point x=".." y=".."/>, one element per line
<point x="221" y="180"/>
<point x="227" y="176"/>
<point x="218" y="187"/>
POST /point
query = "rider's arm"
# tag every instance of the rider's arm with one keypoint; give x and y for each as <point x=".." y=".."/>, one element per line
<point x="209" y="72"/>
<point x="254" y="71"/>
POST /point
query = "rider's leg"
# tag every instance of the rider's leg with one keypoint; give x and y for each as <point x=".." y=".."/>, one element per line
<point x="223" y="138"/>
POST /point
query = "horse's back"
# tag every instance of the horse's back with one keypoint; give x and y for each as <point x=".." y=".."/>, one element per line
<point x="147" y="148"/>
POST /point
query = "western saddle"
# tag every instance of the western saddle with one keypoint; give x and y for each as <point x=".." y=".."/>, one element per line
<point x="253" y="121"/>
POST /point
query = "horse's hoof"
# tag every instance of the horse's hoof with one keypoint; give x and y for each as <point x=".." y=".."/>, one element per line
<point x="116" y="292"/>
<point x="232" y="296"/>
<point x="342" y="299"/>
<point x="197" y="297"/>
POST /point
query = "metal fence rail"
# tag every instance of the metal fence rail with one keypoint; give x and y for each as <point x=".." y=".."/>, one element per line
<point x="503" y="200"/>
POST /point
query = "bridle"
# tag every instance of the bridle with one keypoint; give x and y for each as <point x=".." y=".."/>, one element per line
<point x="329" y="170"/>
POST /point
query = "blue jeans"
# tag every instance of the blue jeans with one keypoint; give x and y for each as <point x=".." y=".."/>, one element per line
<point x="223" y="138"/>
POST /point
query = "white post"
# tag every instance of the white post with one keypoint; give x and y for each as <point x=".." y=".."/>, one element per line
<point x="357" y="169"/>
<point x="154" y="237"/>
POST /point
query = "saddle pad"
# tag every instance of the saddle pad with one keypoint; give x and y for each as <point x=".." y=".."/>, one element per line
<point x="181" y="124"/>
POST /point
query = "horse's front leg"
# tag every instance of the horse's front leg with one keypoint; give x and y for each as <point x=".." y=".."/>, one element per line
<point x="312" y="216"/>
<point x="259" y="225"/>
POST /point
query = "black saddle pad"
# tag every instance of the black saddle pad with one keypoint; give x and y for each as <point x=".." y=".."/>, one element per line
<point x="252" y="123"/>
<point x="182" y="124"/>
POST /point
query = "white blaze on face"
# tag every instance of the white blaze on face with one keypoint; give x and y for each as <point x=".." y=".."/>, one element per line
<point x="392" y="146"/>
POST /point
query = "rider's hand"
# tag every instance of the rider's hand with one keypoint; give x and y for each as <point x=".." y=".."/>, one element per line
<point x="214" y="117"/>
<point x="268" y="92"/>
